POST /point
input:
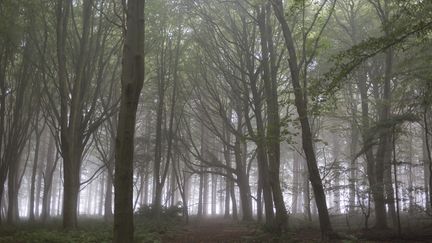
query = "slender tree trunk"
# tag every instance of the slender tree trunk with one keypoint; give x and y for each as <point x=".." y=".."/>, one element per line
<point x="426" y="174"/>
<point x="428" y="153"/>
<point x="353" y="151"/>
<point x="90" y="198"/>
<point x="411" y="190"/>
<point x="39" y="188"/>
<point x="337" y="166"/>
<point x="71" y="175"/>
<point x="295" y="183"/>
<point x="157" y="178"/>
<point x="48" y="179"/>
<point x="205" y="194"/>
<point x="234" y="201"/>
<point x="34" y="171"/>
<point x="242" y="177"/>
<point x="60" y="193"/>
<point x="200" y="195"/>
<point x="71" y="117"/>
<point x="259" y="201"/>
<point x="306" y="193"/>
<point x="52" y="202"/>
<point x="132" y="81"/>
<point x="100" y="207"/>
<point x="259" y="139"/>
<point x="108" y="215"/>
<point x="377" y="193"/>
<point x="227" y="157"/>
<point x="388" y="186"/>
<point x="214" y="181"/>
<point x="301" y="105"/>
<point x="146" y="184"/>
<point x="3" y="163"/>
<point x="394" y="162"/>
<point x="227" y="198"/>
<point x="273" y="120"/>
<point x="186" y="195"/>
<point x="13" y="210"/>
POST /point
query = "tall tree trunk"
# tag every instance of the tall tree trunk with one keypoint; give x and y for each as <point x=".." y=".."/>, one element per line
<point x="34" y="171"/>
<point x="71" y="175"/>
<point x="39" y="188"/>
<point x="48" y="179"/>
<point x="60" y="193"/>
<point x="426" y="163"/>
<point x="200" y="194"/>
<point x="388" y="186"/>
<point x="227" y="157"/>
<point x="91" y="196"/>
<point x="132" y="79"/>
<point x="306" y="193"/>
<point x="428" y="154"/>
<point x="71" y="115"/>
<point x="13" y="210"/>
<point x="240" y="155"/>
<point x="233" y="201"/>
<point x="377" y="193"/>
<point x="227" y="198"/>
<point x="273" y="120"/>
<point x="214" y="182"/>
<point x="102" y="190"/>
<point x="157" y="180"/>
<point x="383" y="155"/>
<point x="295" y="183"/>
<point x="108" y="215"/>
<point x="411" y="190"/>
<point x="258" y="137"/>
<point x="259" y="201"/>
<point x="146" y="185"/>
<point x="337" y="166"/>
<point x="3" y="163"/>
<point x="352" y="152"/>
<point x="301" y="105"/>
<point x="205" y="194"/>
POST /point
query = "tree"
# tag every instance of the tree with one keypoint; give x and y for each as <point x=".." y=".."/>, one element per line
<point x="302" y="110"/>
<point x="74" y="113"/>
<point x="132" y="80"/>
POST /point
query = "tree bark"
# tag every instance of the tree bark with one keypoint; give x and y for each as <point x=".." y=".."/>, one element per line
<point x="273" y="119"/>
<point x="301" y="105"/>
<point x="295" y="183"/>
<point x="38" y="134"/>
<point x="337" y="166"/>
<point x="377" y="193"/>
<point x="214" y="182"/>
<point x="48" y="179"/>
<point x="132" y="79"/>
<point x="200" y="195"/>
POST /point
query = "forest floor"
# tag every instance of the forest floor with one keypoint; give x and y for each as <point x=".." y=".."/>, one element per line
<point x="207" y="230"/>
<point x="218" y="230"/>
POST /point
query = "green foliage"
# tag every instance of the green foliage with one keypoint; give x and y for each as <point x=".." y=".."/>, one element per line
<point x="416" y="25"/>
<point x="151" y="229"/>
<point x="147" y="212"/>
<point x="53" y="236"/>
<point x="92" y="230"/>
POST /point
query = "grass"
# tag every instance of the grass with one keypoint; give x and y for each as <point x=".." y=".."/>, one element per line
<point x="90" y="230"/>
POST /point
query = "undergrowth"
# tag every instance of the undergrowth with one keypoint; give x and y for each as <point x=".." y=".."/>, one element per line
<point x="93" y="230"/>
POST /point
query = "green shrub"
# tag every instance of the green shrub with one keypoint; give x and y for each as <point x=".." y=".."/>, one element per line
<point x="147" y="212"/>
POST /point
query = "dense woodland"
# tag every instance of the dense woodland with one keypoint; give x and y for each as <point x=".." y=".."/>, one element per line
<point x="282" y="114"/>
